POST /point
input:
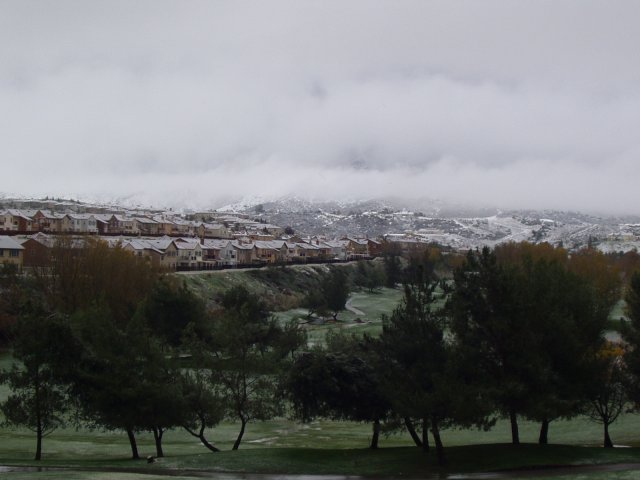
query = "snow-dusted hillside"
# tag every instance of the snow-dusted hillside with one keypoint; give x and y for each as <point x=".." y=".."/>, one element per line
<point x="430" y="220"/>
<point x="448" y="225"/>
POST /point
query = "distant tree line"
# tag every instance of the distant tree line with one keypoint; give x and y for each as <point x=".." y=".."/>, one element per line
<point x="102" y="339"/>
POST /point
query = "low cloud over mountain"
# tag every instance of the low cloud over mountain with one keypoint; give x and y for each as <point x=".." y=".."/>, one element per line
<point x="518" y="105"/>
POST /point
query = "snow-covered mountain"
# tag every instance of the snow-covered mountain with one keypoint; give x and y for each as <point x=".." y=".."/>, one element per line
<point x="453" y="225"/>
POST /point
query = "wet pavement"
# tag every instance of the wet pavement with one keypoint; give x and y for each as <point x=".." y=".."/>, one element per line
<point x="538" y="472"/>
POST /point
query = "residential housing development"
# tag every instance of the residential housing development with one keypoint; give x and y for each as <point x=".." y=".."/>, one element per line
<point x="204" y="241"/>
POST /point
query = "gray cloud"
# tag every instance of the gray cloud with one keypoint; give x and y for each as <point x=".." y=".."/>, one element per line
<point x="508" y="103"/>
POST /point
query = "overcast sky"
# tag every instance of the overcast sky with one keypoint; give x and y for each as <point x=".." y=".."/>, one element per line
<point x="515" y="104"/>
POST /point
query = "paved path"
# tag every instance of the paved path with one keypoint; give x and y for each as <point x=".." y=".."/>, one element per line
<point x="353" y="309"/>
<point x="536" y="472"/>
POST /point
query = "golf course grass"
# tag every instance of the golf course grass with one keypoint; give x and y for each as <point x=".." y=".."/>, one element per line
<point x="326" y="448"/>
<point x="283" y="446"/>
<point x="369" y="305"/>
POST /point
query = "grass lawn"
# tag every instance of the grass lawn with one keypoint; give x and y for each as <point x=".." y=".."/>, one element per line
<point x="372" y="304"/>
<point x="324" y="447"/>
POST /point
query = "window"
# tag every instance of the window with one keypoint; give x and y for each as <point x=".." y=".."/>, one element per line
<point x="14" y="253"/>
<point x="1" y="252"/>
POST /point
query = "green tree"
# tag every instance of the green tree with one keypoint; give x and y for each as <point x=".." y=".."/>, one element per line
<point x="568" y="326"/>
<point x="340" y="382"/>
<point x="369" y="275"/>
<point x="493" y="337"/>
<point x="248" y="353"/>
<point x="123" y="380"/>
<point x="204" y="407"/>
<point x="169" y="308"/>
<point x="38" y="399"/>
<point x="533" y="323"/>
<point x="421" y="375"/>
<point x="631" y="335"/>
<point x="609" y="397"/>
<point x="392" y="265"/>
<point x="17" y="296"/>
<point x="335" y="291"/>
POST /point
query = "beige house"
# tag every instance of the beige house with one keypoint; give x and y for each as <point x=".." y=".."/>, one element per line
<point x="189" y="254"/>
<point x="226" y="254"/>
<point x="183" y="227"/>
<point x="79" y="223"/>
<point x="170" y="260"/>
<point x="212" y="230"/>
<point x="357" y="247"/>
<point x="146" y="226"/>
<point x="165" y="226"/>
<point x="307" y="251"/>
<point x="274" y="251"/>
<point x="17" y="221"/>
<point x="142" y="249"/>
<point x="337" y="249"/>
<point x="244" y="252"/>
<point x="11" y="252"/>
<point x="5" y="221"/>
<point x="274" y="230"/>
<point x="122" y="225"/>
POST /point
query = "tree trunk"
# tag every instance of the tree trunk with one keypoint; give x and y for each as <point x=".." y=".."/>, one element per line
<point x="206" y="443"/>
<point x="543" y="439"/>
<point x="607" y="439"/>
<point x="38" y="419"/>
<point x="38" y="444"/>
<point x="412" y="431"/>
<point x="132" y="442"/>
<point x="438" y="441"/>
<point x="157" y="437"/>
<point x="425" y="435"/>
<point x="239" y="439"/>
<point x="515" y="435"/>
<point x="200" y="436"/>
<point x="376" y="434"/>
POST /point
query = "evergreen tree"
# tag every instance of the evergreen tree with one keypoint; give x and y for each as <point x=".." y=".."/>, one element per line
<point x="420" y="373"/>
<point x="631" y="334"/>
<point x="335" y="291"/>
<point x="38" y="398"/>
<point x="494" y="338"/>
<point x="339" y="382"/>
<point x="204" y="407"/>
<point x="169" y="308"/>
<point x="392" y="265"/>
<point x="247" y="352"/>
<point x="609" y="396"/>
<point x="123" y="380"/>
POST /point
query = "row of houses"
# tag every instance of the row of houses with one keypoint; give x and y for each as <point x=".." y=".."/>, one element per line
<point x="15" y="221"/>
<point x="187" y="253"/>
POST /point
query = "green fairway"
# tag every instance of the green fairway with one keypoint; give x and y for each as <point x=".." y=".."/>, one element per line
<point x="372" y="305"/>
<point x="70" y="443"/>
